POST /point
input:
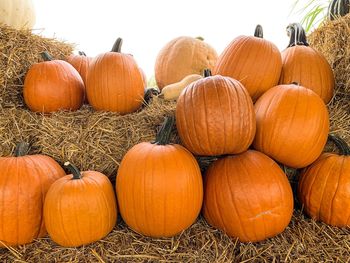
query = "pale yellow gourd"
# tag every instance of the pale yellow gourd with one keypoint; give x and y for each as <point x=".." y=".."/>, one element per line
<point x="172" y="91"/>
<point x="19" y="14"/>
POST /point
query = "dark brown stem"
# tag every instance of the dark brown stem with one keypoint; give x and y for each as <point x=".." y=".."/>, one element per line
<point x="74" y="170"/>
<point x="343" y="147"/>
<point x="259" y="31"/>
<point x="295" y="83"/>
<point x="297" y="35"/>
<point x="163" y="135"/>
<point x="117" y="47"/>
<point x="338" y="8"/>
<point x="22" y="149"/>
<point x="207" y="73"/>
<point x="46" y="56"/>
<point x="82" y="53"/>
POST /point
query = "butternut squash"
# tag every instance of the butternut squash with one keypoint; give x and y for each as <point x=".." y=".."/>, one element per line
<point x="172" y="91"/>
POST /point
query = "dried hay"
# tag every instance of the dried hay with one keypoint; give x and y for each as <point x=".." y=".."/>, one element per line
<point x="332" y="39"/>
<point x="19" y="49"/>
<point x="304" y="240"/>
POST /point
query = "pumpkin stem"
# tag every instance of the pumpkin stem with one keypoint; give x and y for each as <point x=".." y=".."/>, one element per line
<point x="22" y="149"/>
<point x="163" y="135"/>
<point x="259" y="32"/>
<point x="343" y="147"/>
<point x="297" y="35"/>
<point x="82" y="53"/>
<point x="117" y="47"/>
<point x="207" y="73"/>
<point x="338" y="8"/>
<point x="46" y="56"/>
<point x="200" y="38"/>
<point x="295" y="83"/>
<point x="74" y="170"/>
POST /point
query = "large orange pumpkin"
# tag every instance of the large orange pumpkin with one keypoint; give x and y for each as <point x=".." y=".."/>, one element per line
<point x="305" y="65"/>
<point x="115" y="82"/>
<point x="159" y="187"/>
<point x="214" y="116"/>
<point x="81" y="63"/>
<point x="324" y="187"/>
<point x="181" y="57"/>
<point x="80" y="208"/>
<point x="254" y="61"/>
<point x="292" y="125"/>
<point x="247" y="196"/>
<point x="24" y="181"/>
<point x="53" y="85"/>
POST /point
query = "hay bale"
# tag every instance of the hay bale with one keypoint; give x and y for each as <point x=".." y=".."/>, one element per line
<point x="332" y="39"/>
<point x="19" y="50"/>
<point x="92" y="140"/>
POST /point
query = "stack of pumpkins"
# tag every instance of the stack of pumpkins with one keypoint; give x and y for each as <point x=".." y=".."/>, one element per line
<point x="159" y="185"/>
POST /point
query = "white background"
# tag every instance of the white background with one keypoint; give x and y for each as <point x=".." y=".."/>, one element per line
<point x="146" y="26"/>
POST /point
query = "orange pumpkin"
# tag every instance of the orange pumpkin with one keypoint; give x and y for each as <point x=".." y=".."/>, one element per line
<point x="247" y="196"/>
<point x="81" y="63"/>
<point x="115" y="82"/>
<point x="252" y="60"/>
<point x="292" y="125"/>
<point x="80" y="208"/>
<point x="305" y="65"/>
<point x="181" y="57"/>
<point x="24" y="181"/>
<point x="215" y="116"/>
<point x="159" y="187"/>
<point x="324" y="187"/>
<point x="53" y="85"/>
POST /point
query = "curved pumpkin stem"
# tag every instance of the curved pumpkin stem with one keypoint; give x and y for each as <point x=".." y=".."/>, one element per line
<point x="81" y="53"/>
<point x="22" y="149"/>
<point x="46" y="56"/>
<point x="338" y="8"/>
<point x="207" y="73"/>
<point x="259" y="32"/>
<point x="200" y="38"/>
<point x="163" y="135"/>
<point x="297" y="35"/>
<point x="74" y="170"/>
<point x="117" y="47"/>
<point x="343" y="147"/>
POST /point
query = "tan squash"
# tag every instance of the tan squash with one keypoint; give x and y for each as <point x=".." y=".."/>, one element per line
<point x="172" y="91"/>
<point x="19" y="14"/>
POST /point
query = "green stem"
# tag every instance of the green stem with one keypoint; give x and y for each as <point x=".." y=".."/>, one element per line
<point x="259" y="32"/>
<point x="338" y="8"/>
<point x="163" y="135"/>
<point x="74" y="170"/>
<point x="22" y="149"/>
<point x="82" y="53"/>
<point x="46" y="56"/>
<point x="343" y="147"/>
<point x="207" y="73"/>
<point x="297" y="35"/>
<point x="200" y="38"/>
<point x="117" y="47"/>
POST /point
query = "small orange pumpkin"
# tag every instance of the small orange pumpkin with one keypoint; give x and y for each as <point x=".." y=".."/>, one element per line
<point x="247" y="196"/>
<point x="115" y="82"/>
<point x="305" y="65"/>
<point x="324" y="187"/>
<point x="81" y="63"/>
<point x="53" y="85"/>
<point x="215" y="116"/>
<point x="159" y="187"/>
<point x="80" y="208"/>
<point x="292" y="125"/>
<point x="24" y="182"/>
<point x="181" y="57"/>
<point x="252" y="60"/>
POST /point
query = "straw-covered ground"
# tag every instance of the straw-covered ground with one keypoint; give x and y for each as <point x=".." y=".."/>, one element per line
<point x="98" y="141"/>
